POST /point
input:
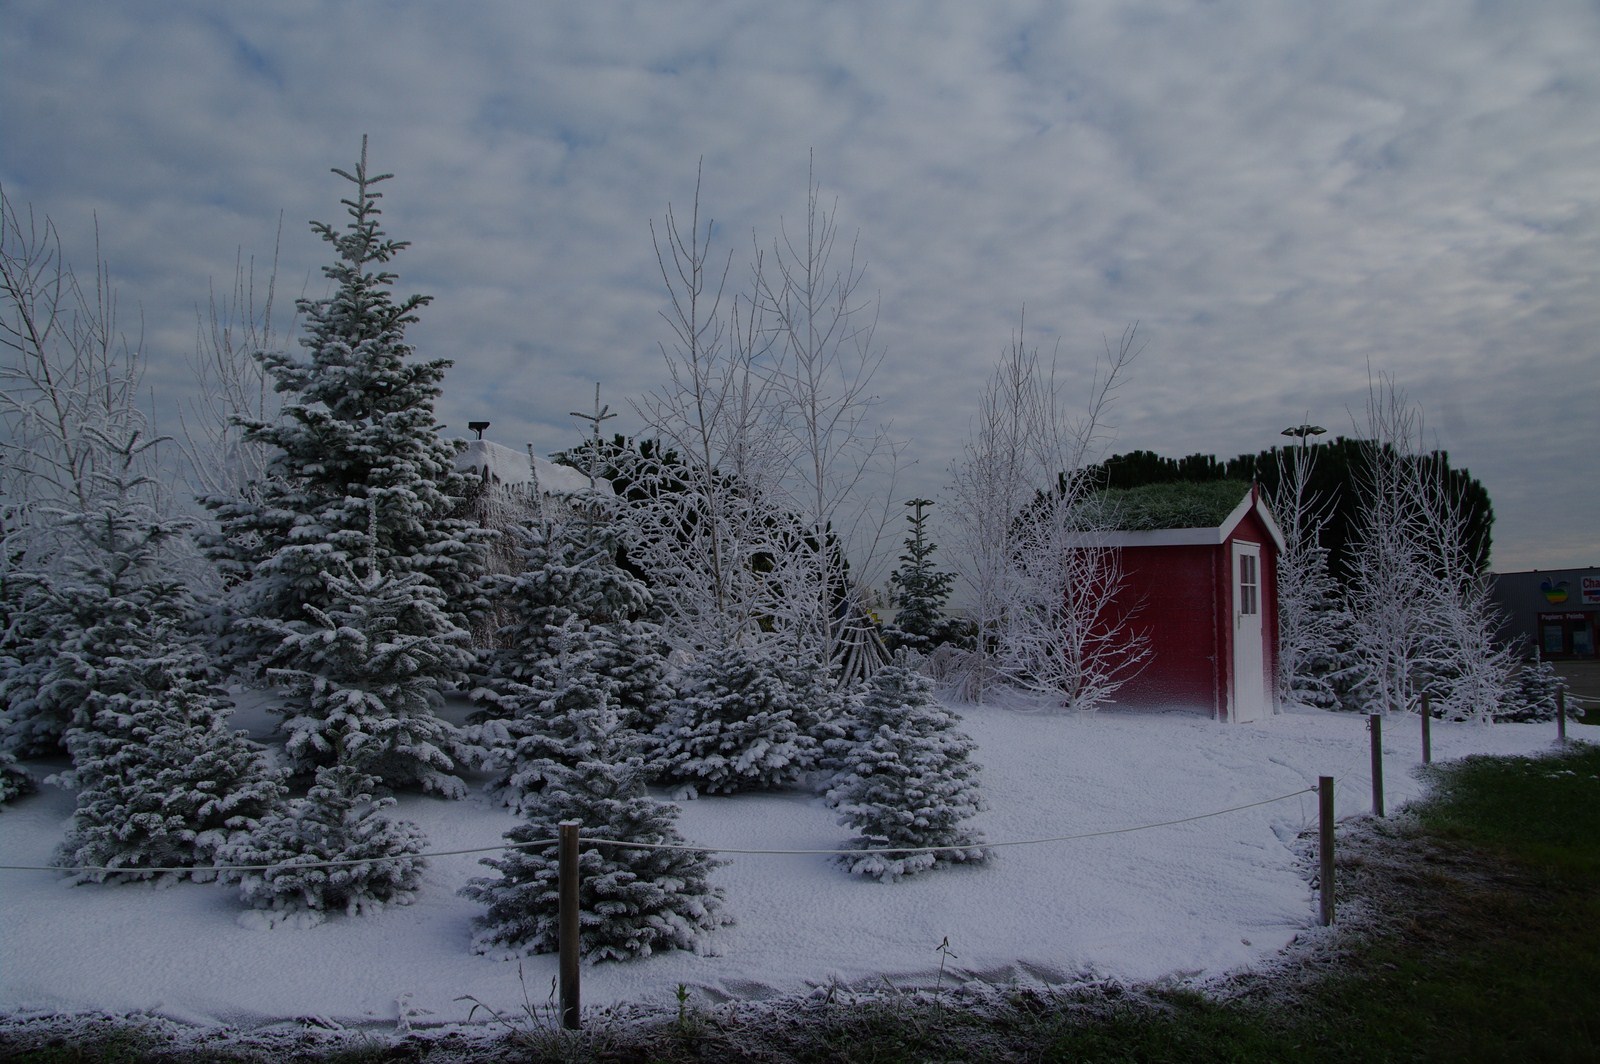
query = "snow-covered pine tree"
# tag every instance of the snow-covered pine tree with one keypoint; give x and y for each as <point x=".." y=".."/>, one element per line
<point x="14" y="779"/>
<point x="735" y="724"/>
<point x="340" y="820"/>
<point x="359" y="475"/>
<point x="908" y="779"/>
<point x="576" y="618"/>
<point x="364" y="676"/>
<point x="162" y="781"/>
<point x="37" y="699"/>
<point x="548" y="731"/>
<point x="919" y="591"/>
<point x="632" y="902"/>
<point x="1532" y="693"/>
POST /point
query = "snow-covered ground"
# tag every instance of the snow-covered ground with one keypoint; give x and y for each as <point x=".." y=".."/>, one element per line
<point x="1198" y="898"/>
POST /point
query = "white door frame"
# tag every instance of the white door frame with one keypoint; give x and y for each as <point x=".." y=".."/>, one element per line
<point x="1250" y="699"/>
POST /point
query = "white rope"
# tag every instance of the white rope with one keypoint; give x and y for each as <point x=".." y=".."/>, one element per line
<point x="598" y="841"/>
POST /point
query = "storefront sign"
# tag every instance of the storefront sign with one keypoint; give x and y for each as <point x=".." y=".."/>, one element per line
<point x="1591" y="590"/>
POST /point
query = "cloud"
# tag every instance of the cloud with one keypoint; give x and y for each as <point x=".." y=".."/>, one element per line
<point x="1281" y="195"/>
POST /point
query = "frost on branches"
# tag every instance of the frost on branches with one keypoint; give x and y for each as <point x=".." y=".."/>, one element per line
<point x="907" y="780"/>
<point x="742" y="720"/>
<point x="364" y="680"/>
<point x="341" y="820"/>
<point x="360" y="483"/>
<point x="1312" y="620"/>
<point x="161" y="779"/>
<point x="632" y="902"/>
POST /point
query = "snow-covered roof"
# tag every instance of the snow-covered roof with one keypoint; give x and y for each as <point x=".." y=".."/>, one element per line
<point x="508" y="466"/>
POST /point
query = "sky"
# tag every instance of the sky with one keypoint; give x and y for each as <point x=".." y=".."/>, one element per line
<point x="1288" y="199"/>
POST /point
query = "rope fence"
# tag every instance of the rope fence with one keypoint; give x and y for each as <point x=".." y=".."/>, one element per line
<point x="595" y="840"/>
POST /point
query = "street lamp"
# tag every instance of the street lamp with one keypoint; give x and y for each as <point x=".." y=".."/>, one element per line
<point x="1302" y="431"/>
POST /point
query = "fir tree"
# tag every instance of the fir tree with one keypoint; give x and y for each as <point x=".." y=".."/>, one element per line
<point x="365" y="680"/>
<point x="37" y="692"/>
<point x="1533" y="691"/>
<point x="736" y="725"/>
<point x="908" y="779"/>
<point x="331" y="851"/>
<point x="14" y="779"/>
<point x="162" y="781"/>
<point x="632" y="901"/>
<point x="359" y="476"/>
<point x="919" y="591"/>
<point x="575" y="621"/>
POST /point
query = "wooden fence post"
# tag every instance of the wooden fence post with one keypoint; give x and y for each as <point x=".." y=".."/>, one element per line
<point x="1375" y="725"/>
<point x="567" y="943"/>
<point x="1427" y="723"/>
<point x="1561" y="715"/>
<point x="1325" y="833"/>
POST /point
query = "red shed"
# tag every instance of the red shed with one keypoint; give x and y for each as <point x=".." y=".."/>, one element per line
<point x="1207" y="599"/>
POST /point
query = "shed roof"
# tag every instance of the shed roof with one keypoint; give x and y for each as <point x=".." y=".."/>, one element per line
<point x="1196" y="514"/>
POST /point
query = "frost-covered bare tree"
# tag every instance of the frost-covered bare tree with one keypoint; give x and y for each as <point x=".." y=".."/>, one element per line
<point x="1031" y="538"/>
<point x="69" y="381"/>
<point x="69" y="386"/>
<point x="767" y="463"/>
<point x="1312" y="619"/>
<point x="232" y="385"/>
<point x="707" y="482"/>
<point x="1421" y="617"/>
<point x="838" y="460"/>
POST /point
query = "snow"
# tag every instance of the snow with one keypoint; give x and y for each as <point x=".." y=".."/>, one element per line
<point x="1190" y="900"/>
<point x="513" y="467"/>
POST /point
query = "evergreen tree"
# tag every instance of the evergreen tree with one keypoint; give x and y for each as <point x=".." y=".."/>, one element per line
<point x="576" y="620"/>
<point x="1532" y="694"/>
<point x="14" y="779"/>
<point x="364" y="676"/>
<point x="162" y="781"/>
<point x="339" y="823"/>
<point x="37" y="692"/>
<point x="918" y="590"/>
<point x="908" y="779"/>
<point x="632" y="902"/>
<point x="359" y="477"/>
<point x="737" y="724"/>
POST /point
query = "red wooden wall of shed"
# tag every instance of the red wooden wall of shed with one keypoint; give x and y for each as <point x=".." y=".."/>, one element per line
<point x="1174" y="590"/>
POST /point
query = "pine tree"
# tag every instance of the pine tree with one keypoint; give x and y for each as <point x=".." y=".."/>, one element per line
<point x="919" y="591"/>
<point x="576" y="620"/>
<point x="908" y="779"/>
<point x="360" y="478"/>
<point x="736" y="725"/>
<point x="162" y="781"/>
<point x="14" y="779"/>
<point x="632" y="902"/>
<point x="37" y="693"/>
<point x="365" y="679"/>
<point x="340" y="822"/>
<point x="1532" y="693"/>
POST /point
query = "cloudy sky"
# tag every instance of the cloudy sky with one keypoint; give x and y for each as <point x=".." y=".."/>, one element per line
<point x="1282" y="195"/>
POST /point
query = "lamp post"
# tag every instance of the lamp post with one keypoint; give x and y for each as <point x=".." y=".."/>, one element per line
<point x="1302" y="431"/>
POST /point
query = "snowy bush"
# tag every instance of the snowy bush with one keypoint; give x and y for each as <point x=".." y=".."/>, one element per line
<point x="339" y="821"/>
<point x="162" y="781"/>
<point x="908" y="779"/>
<point x="736" y="725"/>
<point x="632" y="902"/>
<point x="14" y="779"/>
<point x="363" y="684"/>
<point x="1532" y="694"/>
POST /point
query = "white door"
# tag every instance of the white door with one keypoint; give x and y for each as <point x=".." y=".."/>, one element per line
<point x="1250" y="697"/>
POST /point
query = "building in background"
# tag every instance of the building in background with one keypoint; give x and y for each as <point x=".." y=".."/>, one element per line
<point x="1555" y="612"/>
